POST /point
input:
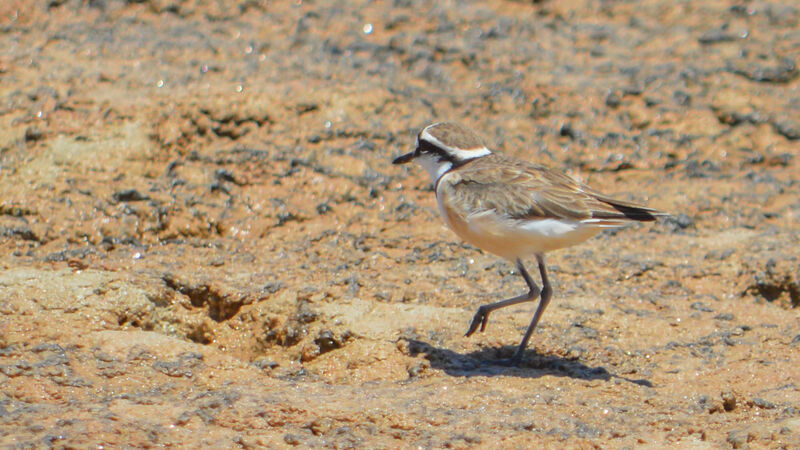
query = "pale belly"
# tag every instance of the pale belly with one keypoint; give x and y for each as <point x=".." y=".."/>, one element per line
<point x="512" y="239"/>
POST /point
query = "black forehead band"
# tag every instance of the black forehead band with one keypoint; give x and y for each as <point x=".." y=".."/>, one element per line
<point x="443" y="155"/>
<point x="427" y="147"/>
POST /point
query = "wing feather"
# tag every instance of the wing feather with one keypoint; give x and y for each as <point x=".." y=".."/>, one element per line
<point x="526" y="191"/>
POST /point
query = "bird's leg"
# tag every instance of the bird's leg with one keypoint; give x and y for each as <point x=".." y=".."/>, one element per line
<point x="547" y="292"/>
<point x="482" y="315"/>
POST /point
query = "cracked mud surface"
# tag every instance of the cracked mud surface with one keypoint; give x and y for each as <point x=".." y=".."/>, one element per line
<point x="205" y="243"/>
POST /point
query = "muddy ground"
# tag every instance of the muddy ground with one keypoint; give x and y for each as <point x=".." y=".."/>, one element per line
<point x="205" y="244"/>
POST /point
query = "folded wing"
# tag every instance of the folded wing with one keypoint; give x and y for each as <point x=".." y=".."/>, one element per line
<point x="524" y="191"/>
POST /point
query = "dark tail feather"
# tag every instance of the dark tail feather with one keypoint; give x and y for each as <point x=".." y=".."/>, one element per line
<point x="629" y="212"/>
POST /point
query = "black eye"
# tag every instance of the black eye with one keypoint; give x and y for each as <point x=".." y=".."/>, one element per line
<point x="426" y="148"/>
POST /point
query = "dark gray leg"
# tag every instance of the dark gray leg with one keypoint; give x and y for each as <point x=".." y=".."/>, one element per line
<point x="482" y="315"/>
<point x="547" y="292"/>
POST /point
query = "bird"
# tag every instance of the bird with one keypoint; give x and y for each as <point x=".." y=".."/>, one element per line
<point x="513" y="208"/>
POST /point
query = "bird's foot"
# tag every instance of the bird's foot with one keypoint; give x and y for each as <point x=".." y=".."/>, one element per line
<point x="480" y="318"/>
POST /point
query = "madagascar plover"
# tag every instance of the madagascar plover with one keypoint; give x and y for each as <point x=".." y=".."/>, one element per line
<point x="513" y="208"/>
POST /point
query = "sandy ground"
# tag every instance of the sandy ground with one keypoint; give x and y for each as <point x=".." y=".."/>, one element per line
<point x="205" y="244"/>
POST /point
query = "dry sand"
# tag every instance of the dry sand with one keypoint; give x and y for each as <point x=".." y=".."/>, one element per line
<point x="205" y="244"/>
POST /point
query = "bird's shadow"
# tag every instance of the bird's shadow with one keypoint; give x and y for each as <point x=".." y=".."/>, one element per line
<point x="487" y="362"/>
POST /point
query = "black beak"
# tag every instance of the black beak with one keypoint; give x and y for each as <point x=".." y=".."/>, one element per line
<point x="402" y="159"/>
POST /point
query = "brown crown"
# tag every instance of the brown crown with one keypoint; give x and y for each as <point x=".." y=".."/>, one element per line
<point x="455" y="136"/>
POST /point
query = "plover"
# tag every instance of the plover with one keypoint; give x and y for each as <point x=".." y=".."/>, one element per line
<point x="513" y="208"/>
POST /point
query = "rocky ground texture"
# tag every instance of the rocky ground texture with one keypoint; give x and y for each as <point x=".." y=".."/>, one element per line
<point x="205" y="244"/>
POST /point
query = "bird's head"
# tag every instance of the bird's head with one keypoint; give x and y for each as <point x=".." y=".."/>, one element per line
<point x="444" y="145"/>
